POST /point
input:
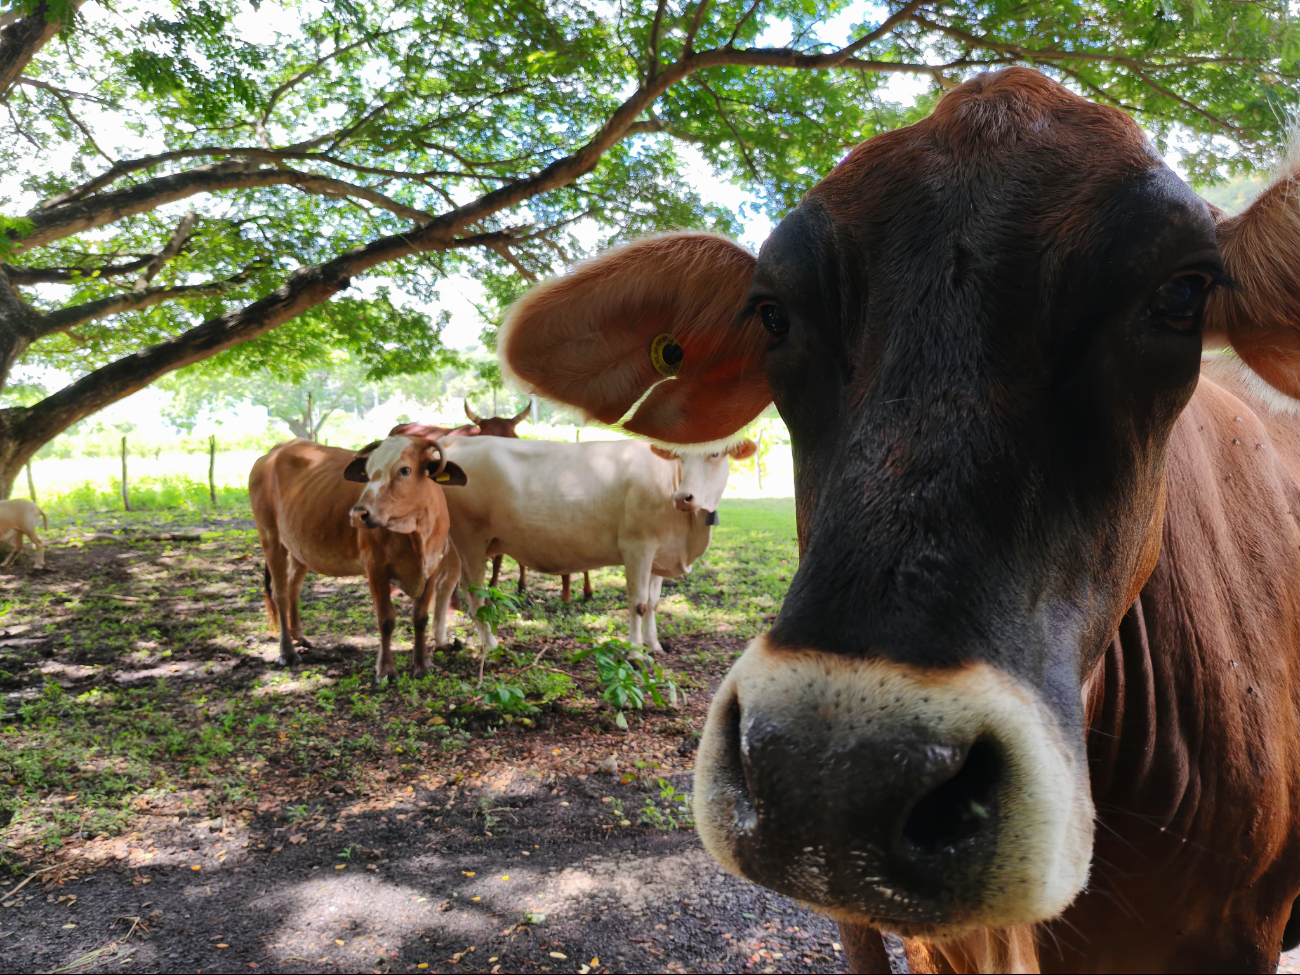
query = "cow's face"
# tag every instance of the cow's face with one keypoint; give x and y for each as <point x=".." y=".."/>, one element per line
<point x="980" y="331"/>
<point x="702" y="474"/>
<point x="402" y="477"/>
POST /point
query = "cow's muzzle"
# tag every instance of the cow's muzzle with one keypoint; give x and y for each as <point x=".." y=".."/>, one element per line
<point x="363" y="517"/>
<point x="924" y="802"/>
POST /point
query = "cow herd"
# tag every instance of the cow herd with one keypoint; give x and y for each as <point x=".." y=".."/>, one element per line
<point x="427" y="507"/>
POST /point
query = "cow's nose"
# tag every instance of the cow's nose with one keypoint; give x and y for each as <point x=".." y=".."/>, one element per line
<point x="361" y="515"/>
<point x="897" y="813"/>
<point x="684" y="502"/>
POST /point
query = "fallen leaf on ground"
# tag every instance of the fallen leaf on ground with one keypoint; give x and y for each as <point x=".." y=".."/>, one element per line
<point x="558" y="955"/>
<point x="468" y="873"/>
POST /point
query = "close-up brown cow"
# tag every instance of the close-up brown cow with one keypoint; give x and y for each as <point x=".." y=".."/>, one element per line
<point x="1032" y="700"/>
<point x="378" y="512"/>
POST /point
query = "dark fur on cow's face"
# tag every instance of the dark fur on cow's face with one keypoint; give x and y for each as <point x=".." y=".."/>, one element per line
<point x="983" y="328"/>
<point x="982" y="321"/>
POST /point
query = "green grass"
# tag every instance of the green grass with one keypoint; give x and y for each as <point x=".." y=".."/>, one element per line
<point x="81" y="751"/>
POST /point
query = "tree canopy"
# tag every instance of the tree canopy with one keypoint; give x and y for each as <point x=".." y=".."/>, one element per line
<point x="188" y="176"/>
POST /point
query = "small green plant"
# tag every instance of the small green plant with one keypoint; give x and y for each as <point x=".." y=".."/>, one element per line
<point x="295" y="813"/>
<point x="627" y="676"/>
<point x="676" y="811"/>
<point x="497" y="607"/>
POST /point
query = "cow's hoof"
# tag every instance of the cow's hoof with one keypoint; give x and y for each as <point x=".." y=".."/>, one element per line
<point x="384" y="678"/>
<point x="288" y="659"/>
<point x="419" y="672"/>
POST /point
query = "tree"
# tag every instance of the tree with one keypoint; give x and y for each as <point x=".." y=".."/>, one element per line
<point x="303" y="403"/>
<point x="235" y="167"/>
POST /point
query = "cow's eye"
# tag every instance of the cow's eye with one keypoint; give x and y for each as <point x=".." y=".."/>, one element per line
<point x="405" y="472"/>
<point x="1178" y="300"/>
<point x="774" y="318"/>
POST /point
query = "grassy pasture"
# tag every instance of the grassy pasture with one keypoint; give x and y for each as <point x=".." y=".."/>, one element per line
<point x="136" y="678"/>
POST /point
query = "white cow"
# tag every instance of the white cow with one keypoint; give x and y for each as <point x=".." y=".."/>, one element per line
<point x="18" y="518"/>
<point x="569" y="507"/>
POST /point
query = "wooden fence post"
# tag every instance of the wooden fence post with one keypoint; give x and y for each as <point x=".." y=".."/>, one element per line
<point x="212" y="468"/>
<point x="126" y="497"/>
<point x="31" y="485"/>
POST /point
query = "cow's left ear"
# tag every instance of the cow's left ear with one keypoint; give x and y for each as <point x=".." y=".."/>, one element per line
<point x="1258" y="313"/>
<point x="743" y="450"/>
<point x="451" y="476"/>
<point x="356" y="469"/>
<point x="661" y="452"/>
<point x="667" y="310"/>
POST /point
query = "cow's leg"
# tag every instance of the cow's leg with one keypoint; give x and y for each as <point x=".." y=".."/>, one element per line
<point x="445" y="582"/>
<point x="472" y="571"/>
<point x="636" y="569"/>
<point x="297" y="573"/>
<point x="14" y="539"/>
<point x="523" y="578"/>
<point x="496" y="570"/>
<point x="277" y="564"/>
<point x="586" y="586"/>
<point x="564" y="588"/>
<point x="382" y="596"/>
<point x="649" y="626"/>
<point x="40" y="547"/>
<point x="420" y="617"/>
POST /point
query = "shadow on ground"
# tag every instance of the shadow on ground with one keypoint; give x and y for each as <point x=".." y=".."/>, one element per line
<point x="537" y="877"/>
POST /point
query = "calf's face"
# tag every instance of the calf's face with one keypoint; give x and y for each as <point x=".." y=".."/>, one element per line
<point x="980" y="331"/>
<point x="403" y="476"/>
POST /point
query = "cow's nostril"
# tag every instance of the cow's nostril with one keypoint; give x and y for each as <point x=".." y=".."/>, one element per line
<point x="961" y="806"/>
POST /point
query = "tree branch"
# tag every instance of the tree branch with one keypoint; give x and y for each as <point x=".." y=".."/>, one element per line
<point x="652" y="63"/>
<point x="18" y="274"/>
<point x="21" y="39"/>
<point x="309" y="286"/>
<point x="62" y="319"/>
<point x="173" y="247"/>
<point x="57" y="222"/>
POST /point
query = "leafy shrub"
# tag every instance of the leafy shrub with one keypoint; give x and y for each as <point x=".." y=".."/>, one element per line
<point x="627" y="676"/>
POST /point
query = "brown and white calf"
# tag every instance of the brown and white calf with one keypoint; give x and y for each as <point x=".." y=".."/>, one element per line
<point x="1033" y="697"/>
<point x="379" y="512"/>
<point x="18" y="518"/>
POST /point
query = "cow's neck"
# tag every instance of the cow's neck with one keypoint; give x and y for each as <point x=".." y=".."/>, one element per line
<point x="698" y="536"/>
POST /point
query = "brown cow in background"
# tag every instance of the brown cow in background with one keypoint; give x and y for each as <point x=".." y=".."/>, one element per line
<point x="493" y="426"/>
<point x="304" y="496"/>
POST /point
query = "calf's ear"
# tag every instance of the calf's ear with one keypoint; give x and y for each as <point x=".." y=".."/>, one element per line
<point x="1258" y="313"/>
<point x="665" y="310"/>
<point x="660" y="452"/>
<point x="356" y="469"/>
<point x="743" y="450"/>
<point x="451" y="476"/>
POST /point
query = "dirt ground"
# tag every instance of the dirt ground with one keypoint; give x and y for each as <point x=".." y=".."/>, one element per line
<point x="171" y="802"/>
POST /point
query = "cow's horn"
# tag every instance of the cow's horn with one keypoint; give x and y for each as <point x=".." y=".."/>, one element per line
<point x="521" y="414"/>
<point x="470" y="413"/>
<point x="442" y="459"/>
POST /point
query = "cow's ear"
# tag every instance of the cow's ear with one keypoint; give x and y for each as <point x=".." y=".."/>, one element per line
<point x="743" y="450"/>
<point x="1258" y="311"/>
<point x="661" y="452"/>
<point x="356" y="469"/>
<point x="666" y="310"/>
<point x="451" y="476"/>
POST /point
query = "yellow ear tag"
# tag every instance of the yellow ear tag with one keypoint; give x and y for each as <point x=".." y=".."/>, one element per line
<point x="444" y="476"/>
<point x="666" y="355"/>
